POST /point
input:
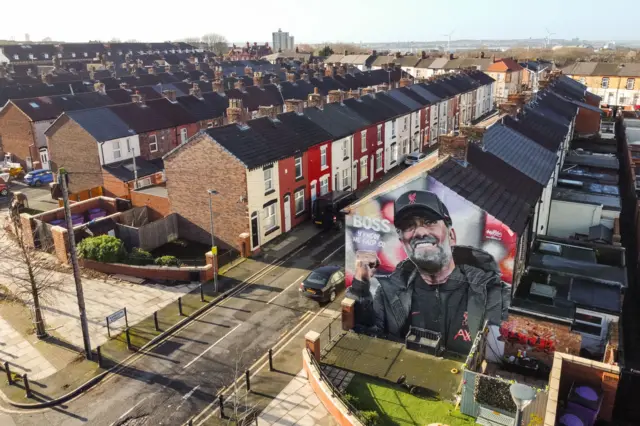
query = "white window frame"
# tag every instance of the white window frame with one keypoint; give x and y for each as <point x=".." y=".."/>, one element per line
<point x="323" y="157"/>
<point x="632" y="85"/>
<point x="379" y="134"/>
<point x="269" y="217"/>
<point x="379" y="165"/>
<point x="394" y="153"/>
<point x="345" y="178"/>
<point x="268" y="179"/>
<point x="406" y="123"/>
<point x="298" y="164"/>
<point x="117" y="151"/>
<point x="364" y="168"/>
<point x="393" y="128"/>
<point x="46" y="56"/>
<point x="299" y="195"/>
<point x="363" y="141"/>
<point x="210" y="125"/>
<point x="324" y="183"/>
<point x="345" y="151"/>
<point x="605" y="82"/>
<point x="153" y="143"/>
<point x="183" y="135"/>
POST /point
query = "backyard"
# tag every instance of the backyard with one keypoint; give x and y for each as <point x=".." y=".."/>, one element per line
<point x="397" y="406"/>
<point x="189" y="252"/>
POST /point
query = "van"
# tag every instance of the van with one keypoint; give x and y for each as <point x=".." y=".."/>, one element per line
<point x="326" y="210"/>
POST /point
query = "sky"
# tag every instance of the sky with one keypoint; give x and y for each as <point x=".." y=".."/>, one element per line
<point x="314" y="21"/>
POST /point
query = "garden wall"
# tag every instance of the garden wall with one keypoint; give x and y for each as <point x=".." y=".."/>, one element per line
<point x="153" y="272"/>
<point x="135" y="230"/>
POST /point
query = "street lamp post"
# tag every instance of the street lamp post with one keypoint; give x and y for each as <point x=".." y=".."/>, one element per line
<point x="214" y="249"/>
<point x="522" y="396"/>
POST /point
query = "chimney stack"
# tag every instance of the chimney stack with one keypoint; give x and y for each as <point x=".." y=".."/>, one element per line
<point x="509" y="108"/>
<point x="423" y="55"/>
<point x="334" y="96"/>
<point x="404" y="82"/>
<point x="235" y="112"/>
<point x="151" y="70"/>
<point x="248" y="71"/>
<point x="217" y="87"/>
<point x="342" y="70"/>
<point x="291" y="77"/>
<point x="454" y="146"/>
<point x="47" y="79"/>
<point x="267" y="111"/>
<point x="304" y="76"/>
<point x="383" y="87"/>
<point x="195" y="91"/>
<point x="257" y="79"/>
<point x="239" y="85"/>
<point x="137" y="98"/>
<point x="315" y="99"/>
<point x="367" y="90"/>
<point x="295" y="105"/>
<point x="219" y="75"/>
<point x="170" y="95"/>
<point x="100" y="88"/>
<point x="356" y="93"/>
<point x="329" y="71"/>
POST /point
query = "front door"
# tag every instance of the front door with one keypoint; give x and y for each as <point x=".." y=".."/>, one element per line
<point x="287" y="213"/>
<point x="255" y="241"/>
<point x="44" y="158"/>
<point x="313" y="193"/>
<point x="354" y="176"/>
<point x="371" y="167"/>
<point x="335" y="182"/>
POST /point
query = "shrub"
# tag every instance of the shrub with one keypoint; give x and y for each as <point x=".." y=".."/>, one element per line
<point x="168" y="261"/>
<point x="370" y="418"/>
<point x="351" y="399"/>
<point x="140" y="257"/>
<point x="103" y="248"/>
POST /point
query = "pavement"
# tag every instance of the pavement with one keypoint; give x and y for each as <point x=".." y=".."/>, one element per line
<point x="182" y="375"/>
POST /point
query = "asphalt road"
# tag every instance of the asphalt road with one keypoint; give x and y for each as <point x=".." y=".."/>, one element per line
<point x="39" y="198"/>
<point x="180" y="377"/>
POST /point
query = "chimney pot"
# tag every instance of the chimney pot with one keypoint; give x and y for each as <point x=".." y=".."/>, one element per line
<point x="404" y="82"/>
<point x="217" y="86"/>
<point x="291" y="77"/>
<point x="235" y="112"/>
<point x="334" y="96"/>
<point x="194" y="91"/>
<point x="294" y="105"/>
<point x="257" y="79"/>
<point x="267" y="111"/>
<point x="137" y="98"/>
<point x="239" y="85"/>
<point x="100" y="88"/>
<point x="170" y="95"/>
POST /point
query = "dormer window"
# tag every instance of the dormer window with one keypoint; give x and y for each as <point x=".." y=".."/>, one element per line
<point x="73" y="55"/>
<point x="86" y="54"/>
<point x="16" y="57"/>
<point x="59" y="55"/>
<point x="46" y="56"/>
<point x="30" y="55"/>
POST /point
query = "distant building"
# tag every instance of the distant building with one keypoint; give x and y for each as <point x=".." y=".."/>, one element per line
<point x="282" y="41"/>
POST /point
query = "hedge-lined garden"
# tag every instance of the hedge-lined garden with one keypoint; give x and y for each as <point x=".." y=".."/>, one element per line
<point x="108" y="249"/>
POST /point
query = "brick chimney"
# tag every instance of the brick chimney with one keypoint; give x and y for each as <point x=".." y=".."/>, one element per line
<point x="248" y="71"/>
<point x="356" y="93"/>
<point x="151" y="70"/>
<point x="124" y="86"/>
<point x="239" y="85"/>
<point x="196" y="91"/>
<point x="367" y="91"/>
<point x="257" y="79"/>
<point x="137" y="98"/>
<point x="423" y="55"/>
<point x="217" y="86"/>
<point x="315" y="99"/>
<point x="170" y="95"/>
<point x="235" y="112"/>
<point x="454" y="146"/>
<point x="291" y="77"/>
<point x="383" y="87"/>
<point x="219" y="75"/>
<point x="334" y="96"/>
<point x="274" y="79"/>
<point x="516" y="98"/>
<point x="404" y="82"/>
<point x="304" y="76"/>
<point x="100" y="88"/>
<point x="329" y="71"/>
<point x="267" y="111"/>
<point x="342" y="71"/>
<point x="47" y="79"/>
<point x="509" y="108"/>
<point x="295" y="105"/>
<point x="167" y="68"/>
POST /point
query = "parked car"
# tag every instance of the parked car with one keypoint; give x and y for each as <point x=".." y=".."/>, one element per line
<point x="327" y="209"/>
<point x="4" y="189"/>
<point x="414" y="158"/>
<point x="323" y="283"/>
<point x="38" y="177"/>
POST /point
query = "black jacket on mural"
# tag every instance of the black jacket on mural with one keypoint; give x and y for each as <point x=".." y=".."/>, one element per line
<point x="472" y="294"/>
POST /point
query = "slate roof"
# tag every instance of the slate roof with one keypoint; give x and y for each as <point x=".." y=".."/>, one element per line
<point x="520" y="152"/>
<point x="299" y="90"/>
<point x="101" y="123"/>
<point x="174" y="114"/>
<point x="263" y="141"/>
<point x="407" y="61"/>
<point x="405" y="98"/>
<point x="206" y="108"/>
<point x="119" y="96"/>
<point x="141" y="118"/>
<point x="523" y="127"/>
<point x="421" y="90"/>
<point x="438" y="63"/>
<point x="50" y="107"/>
<point x="336" y="119"/>
<point x="476" y="187"/>
<point x="511" y="178"/>
<point x="406" y="91"/>
<point x="387" y="111"/>
<point x="124" y="171"/>
<point x="481" y="77"/>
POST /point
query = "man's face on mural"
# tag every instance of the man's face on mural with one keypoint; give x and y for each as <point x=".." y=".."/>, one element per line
<point x="427" y="242"/>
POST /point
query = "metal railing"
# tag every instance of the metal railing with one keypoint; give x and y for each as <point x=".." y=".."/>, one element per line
<point x="335" y="392"/>
<point x="330" y="335"/>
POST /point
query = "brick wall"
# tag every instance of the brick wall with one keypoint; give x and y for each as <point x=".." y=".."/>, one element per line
<point x="541" y="338"/>
<point x="158" y="206"/>
<point x="16" y="133"/>
<point x="587" y="122"/>
<point x="75" y="149"/>
<point x="151" y="272"/>
<point x="166" y="142"/>
<point x="114" y="187"/>
<point x="455" y="146"/>
<point x="290" y="185"/>
<point x="192" y="170"/>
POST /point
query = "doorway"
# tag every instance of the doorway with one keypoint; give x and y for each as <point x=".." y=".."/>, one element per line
<point x="255" y="240"/>
<point x="287" y="213"/>
<point x="44" y="158"/>
<point x="371" y="167"/>
<point x="354" y="176"/>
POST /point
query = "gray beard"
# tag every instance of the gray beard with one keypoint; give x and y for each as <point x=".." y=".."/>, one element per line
<point x="432" y="261"/>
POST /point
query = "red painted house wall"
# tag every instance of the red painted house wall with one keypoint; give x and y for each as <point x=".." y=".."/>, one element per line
<point x="192" y="129"/>
<point x="289" y="184"/>
<point x="315" y="169"/>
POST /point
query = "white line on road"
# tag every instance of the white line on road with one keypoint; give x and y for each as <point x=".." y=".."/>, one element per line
<point x="211" y="347"/>
<point x="188" y="394"/>
<point x="332" y="253"/>
<point x="288" y="287"/>
<point x="128" y="411"/>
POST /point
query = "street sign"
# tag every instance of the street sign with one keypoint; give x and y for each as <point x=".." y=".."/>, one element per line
<point x="214" y="250"/>
<point x="115" y="317"/>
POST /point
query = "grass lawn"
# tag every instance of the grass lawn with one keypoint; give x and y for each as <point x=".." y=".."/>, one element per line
<point x="398" y="407"/>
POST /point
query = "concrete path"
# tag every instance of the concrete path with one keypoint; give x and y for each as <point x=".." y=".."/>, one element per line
<point x="21" y="355"/>
<point x="296" y="404"/>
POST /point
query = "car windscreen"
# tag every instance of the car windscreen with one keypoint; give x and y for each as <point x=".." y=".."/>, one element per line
<point x="316" y="280"/>
<point x="412" y="157"/>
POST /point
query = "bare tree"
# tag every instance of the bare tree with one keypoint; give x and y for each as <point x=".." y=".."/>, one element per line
<point x="215" y="43"/>
<point x="245" y="411"/>
<point x="26" y="269"/>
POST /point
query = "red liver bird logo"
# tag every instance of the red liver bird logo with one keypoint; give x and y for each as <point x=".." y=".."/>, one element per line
<point x="412" y="198"/>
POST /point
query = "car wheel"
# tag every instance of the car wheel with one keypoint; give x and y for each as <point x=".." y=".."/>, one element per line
<point x="38" y="183"/>
<point x="4" y="192"/>
<point x="332" y="296"/>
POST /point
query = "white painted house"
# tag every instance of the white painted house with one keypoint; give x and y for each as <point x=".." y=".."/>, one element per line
<point x="262" y="197"/>
<point x="341" y="155"/>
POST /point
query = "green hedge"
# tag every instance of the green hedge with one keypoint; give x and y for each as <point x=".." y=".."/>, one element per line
<point x="140" y="257"/>
<point x="168" y="261"/>
<point x="103" y="248"/>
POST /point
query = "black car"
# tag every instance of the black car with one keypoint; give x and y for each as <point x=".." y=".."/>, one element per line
<point x="323" y="283"/>
<point x="327" y="209"/>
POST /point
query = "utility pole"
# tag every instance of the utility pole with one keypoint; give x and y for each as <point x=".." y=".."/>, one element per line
<point x="214" y="249"/>
<point x="62" y="179"/>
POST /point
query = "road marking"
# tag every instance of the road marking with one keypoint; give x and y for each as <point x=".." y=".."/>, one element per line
<point x="332" y="253"/>
<point x="128" y="411"/>
<point x="211" y="347"/>
<point x="288" y="287"/>
<point x="188" y="394"/>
